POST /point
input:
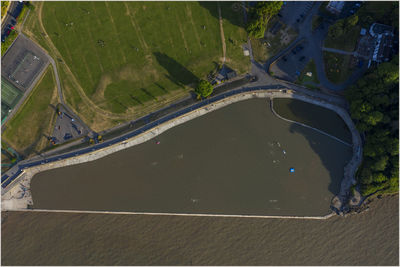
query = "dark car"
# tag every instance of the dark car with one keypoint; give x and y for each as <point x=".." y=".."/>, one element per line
<point x="297" y="49"/>
<point x="302" y="58"/>
<point x="67" y="136"/>
<point x="284" y="58"/>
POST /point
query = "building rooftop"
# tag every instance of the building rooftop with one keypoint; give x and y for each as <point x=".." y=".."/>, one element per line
<point x="378" y="28"/>
<point x="335" y="6"/>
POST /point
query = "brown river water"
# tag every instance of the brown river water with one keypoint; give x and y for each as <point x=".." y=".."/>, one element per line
<point x="37" y="238"/>
<point x="219" y="163"/>
<point x="235" y="160"/>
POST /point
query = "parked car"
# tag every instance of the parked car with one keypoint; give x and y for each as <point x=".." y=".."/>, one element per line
<point x="302" y="58"/>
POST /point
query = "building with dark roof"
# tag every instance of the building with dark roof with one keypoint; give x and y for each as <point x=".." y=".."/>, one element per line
<point x="384" y="37"/>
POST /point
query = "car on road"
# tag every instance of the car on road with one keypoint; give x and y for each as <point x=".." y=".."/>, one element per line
<point x="302" y="58"/>
<point x="297" y="49"/>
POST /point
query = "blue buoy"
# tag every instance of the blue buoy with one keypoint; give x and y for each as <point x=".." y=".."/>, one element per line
<point x="291" y="169"/>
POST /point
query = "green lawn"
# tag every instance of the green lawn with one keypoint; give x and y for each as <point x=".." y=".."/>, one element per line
<point x="235" y="36"/>
<point x="267" y="47"/>
<point x="136" y="54"/>
<point x="310" y="67"/>
<point x="24" y="130"/>
<point x="337" y="67"/>
<point x="346" y="42"/>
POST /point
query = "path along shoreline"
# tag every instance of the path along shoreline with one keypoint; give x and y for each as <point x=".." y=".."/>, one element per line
<point x="18" y="195"/>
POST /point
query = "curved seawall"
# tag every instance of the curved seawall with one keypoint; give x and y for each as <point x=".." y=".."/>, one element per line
<point x="19" y="196"/>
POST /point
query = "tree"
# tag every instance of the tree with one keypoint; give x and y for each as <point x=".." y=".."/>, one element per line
<point x="374" y="118"/>
<point x="374" y="106"/>
<point x="336" y="29"/>
<point x="261" y="14"/>
<point x="351" y="21"/>
<point x="204" y="89"/>
<point x="380" y="165"/>
<point x="256" y="29"/>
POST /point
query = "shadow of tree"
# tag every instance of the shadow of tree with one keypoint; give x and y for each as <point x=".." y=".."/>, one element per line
<point x="334" y="155"/>
<point x="230" y="11"/>
<point x="177" y="73"/>
<point x="314" y="116"/>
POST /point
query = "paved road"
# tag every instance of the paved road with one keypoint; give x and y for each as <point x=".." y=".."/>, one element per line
<point x="338" y="51"/>
<point x="314" y="50"/>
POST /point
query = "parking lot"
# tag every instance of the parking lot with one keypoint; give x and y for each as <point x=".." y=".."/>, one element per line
<point x="294" y="12"/>
<point x="67" y="127"/>
<point x="290" y="65"/>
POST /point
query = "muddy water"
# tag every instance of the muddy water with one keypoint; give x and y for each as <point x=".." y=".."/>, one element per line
<point x="235" y="160"/>
<point x="370" y="238"/>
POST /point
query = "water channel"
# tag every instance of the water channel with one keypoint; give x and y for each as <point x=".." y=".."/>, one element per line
<point x="235" y="160"/>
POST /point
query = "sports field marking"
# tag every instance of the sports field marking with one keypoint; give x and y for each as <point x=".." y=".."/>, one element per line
<point x="110" y="57"/>
<point x="9" y="93"/>
<point x="58" y="30"/>
<point x="93" y="41"/>
<point x="182" y="34"/>
<point x="115" y="30"/>
<point x="137" y="29"/>
<point x="89" y="75"/>
<point x="189" y="13"/>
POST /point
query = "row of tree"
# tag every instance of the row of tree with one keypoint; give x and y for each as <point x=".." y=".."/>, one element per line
<point x="259" y="16"/>
<point x="374" y="104"/>
<point x="342" y="26"/>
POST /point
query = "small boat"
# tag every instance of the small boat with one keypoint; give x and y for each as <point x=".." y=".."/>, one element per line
<point x="158" y="142"/>
<point x="291" y="169"/>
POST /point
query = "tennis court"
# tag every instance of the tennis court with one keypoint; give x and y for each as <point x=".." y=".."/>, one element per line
<point x="10" y="96"/>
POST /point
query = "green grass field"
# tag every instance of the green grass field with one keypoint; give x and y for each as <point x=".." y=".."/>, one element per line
<point x="24" y="130"/>
<point x="131" y="55"/>
<point x="337" y="67"/>
<point x="346" y="42"/>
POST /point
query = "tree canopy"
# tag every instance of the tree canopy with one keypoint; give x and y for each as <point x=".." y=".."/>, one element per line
<point x="204" y="89"/>
<point x="260" y="16"/>
<point x="374" y="107"/>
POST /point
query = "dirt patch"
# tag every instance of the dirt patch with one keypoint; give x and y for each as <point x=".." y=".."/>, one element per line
<point x="105" y="80"/>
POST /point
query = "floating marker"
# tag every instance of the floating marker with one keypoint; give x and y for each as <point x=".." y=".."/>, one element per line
<point x="291" y="169"/>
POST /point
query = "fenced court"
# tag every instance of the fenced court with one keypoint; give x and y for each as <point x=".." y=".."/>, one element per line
<point x="10" y="96"/>
<point x="23" y="63"/>
<point x="27" y="66"/>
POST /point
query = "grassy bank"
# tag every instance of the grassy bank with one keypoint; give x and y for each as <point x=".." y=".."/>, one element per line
<point x="25" y="130"/>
